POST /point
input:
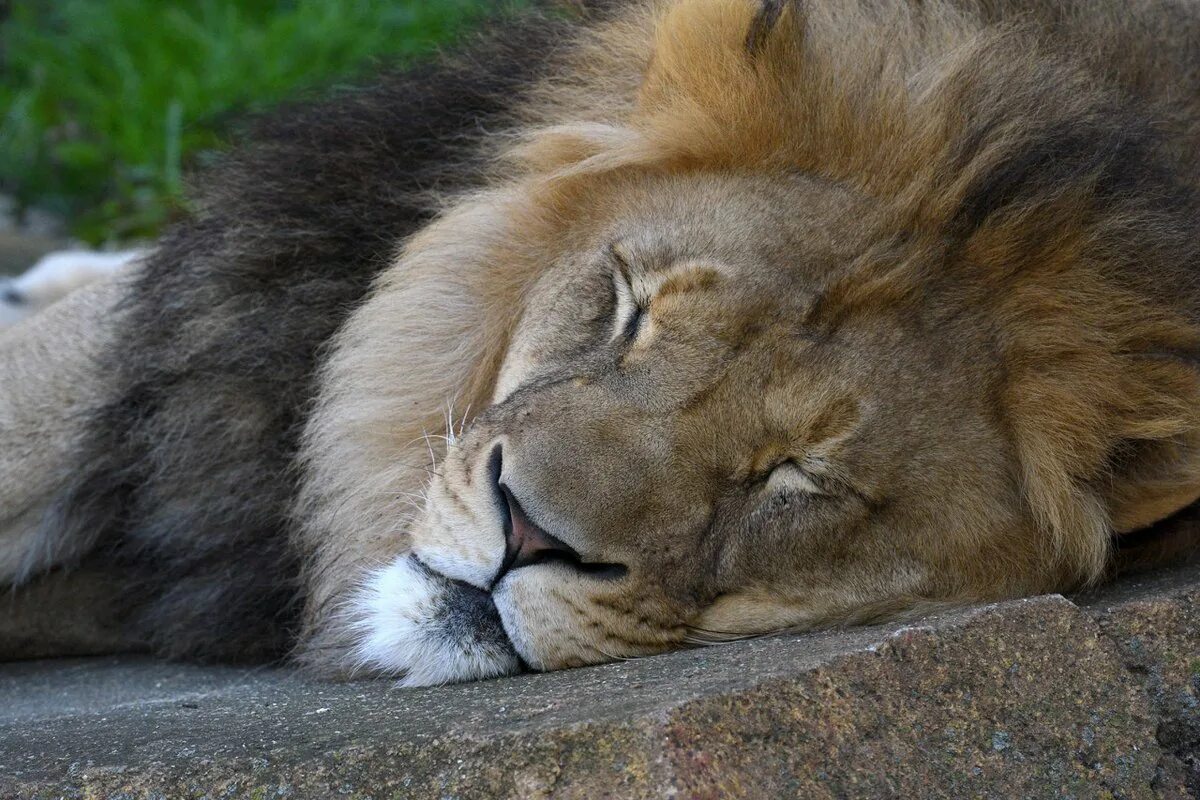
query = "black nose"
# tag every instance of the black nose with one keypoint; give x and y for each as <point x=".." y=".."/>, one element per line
<point x="525" y="543"/>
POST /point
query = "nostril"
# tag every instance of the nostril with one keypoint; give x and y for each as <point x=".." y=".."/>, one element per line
<point x="495" y="467"/>
<point x="526" y="543"/>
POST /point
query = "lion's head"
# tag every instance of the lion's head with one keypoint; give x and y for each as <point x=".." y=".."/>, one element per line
<point x="823" y="318"/>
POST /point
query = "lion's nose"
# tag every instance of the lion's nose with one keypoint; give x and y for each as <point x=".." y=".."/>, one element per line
<point x="526" y="543"/>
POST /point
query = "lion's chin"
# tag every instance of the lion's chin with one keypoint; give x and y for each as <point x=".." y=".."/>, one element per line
<point x="425" y="629"/>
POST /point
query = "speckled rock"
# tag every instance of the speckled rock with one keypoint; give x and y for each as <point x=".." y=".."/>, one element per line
<point x="1022" y="699"/>
<point x="1155" y="622"/>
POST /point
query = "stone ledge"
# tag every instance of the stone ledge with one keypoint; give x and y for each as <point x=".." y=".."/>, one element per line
<point x="1155" y="623"/>
<point x="1035" y="698"/>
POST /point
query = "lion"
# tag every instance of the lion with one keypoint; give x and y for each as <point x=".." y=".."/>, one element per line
<point x="635" y="326"/>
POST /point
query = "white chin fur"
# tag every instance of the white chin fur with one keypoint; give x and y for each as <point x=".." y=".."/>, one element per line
<point x="407" y="629"/>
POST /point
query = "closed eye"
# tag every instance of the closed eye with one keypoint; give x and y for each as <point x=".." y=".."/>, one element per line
<point x="629" y="314"/>
<point x="791" y="477"/>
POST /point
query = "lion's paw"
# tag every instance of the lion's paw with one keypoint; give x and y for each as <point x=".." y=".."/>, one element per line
<point x="54" y="277"/>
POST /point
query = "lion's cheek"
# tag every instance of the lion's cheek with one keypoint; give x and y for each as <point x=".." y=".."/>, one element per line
<point x="556" y="620"/>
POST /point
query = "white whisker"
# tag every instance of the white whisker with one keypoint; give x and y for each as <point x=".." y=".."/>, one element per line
<point x="432" y="458"/>
<point x="462" y="424"/>
<point x="450" y="437"/>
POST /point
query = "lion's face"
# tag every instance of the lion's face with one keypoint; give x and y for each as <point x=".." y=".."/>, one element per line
<point x="779" y="340"/>
<point x="681" y="446"/>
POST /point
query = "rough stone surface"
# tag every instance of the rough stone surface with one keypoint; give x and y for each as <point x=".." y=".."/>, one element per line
<point x="1155" y="624"/>
<point x="1036" y="698"/>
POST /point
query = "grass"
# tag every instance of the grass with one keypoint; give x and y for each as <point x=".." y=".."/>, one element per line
<point x="104" y="104"/>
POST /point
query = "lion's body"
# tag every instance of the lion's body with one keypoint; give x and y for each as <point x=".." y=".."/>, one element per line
<point x="217" y="429"/>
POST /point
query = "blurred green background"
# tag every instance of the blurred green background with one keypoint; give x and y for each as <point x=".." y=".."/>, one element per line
<point x="106" y="103"/>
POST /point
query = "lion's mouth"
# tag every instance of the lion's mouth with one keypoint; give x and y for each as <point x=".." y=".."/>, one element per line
<point x="467" y="614"/>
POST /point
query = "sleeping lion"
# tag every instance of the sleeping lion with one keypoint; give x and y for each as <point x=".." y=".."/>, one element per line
<point x="636" y="325"/>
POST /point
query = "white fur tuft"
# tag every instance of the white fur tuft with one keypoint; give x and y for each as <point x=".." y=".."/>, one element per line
<point x="401" y="634"/>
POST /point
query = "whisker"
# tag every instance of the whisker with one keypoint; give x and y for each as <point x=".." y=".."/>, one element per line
<point x="416" y="496"/>
<point x="712" y="637"/>
<point x="432" y="457"/>
<point x="462" y="424"/>
<point x="450" y="438"/>
<point x="609" y="655"/>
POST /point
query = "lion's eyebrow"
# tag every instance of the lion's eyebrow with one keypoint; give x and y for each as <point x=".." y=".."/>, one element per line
<point x="689" y="278"/>
<point x="659" y="272"/>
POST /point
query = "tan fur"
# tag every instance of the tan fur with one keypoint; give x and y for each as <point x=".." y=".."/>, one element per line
<point x="51" y="382"/>
<point x="364" y="455"/>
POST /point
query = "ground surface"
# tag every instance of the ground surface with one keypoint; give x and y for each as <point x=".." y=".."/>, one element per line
<point x="1048" y="697"/>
